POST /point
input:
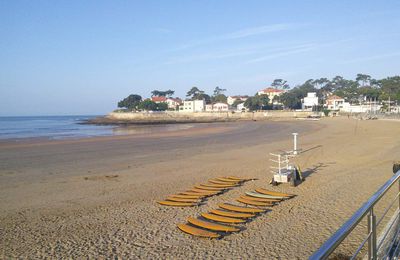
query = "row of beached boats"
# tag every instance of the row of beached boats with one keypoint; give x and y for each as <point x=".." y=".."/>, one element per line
<point x="227" y="218"/>
<point x="197" y="194"/>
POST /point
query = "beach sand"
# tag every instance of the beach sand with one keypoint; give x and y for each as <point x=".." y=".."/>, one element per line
<point x="97" y="197"/>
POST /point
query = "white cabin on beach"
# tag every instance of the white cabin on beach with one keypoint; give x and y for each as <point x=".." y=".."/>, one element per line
<point x="193" y="106"/>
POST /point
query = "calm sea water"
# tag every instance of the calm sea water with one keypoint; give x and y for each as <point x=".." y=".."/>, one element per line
<point x="52" y="127"/>
<point x="67" y="127"/>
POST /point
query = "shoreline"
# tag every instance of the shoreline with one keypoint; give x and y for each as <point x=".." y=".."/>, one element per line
<point x="176" y="117"/>
<point x="120" y="122"/>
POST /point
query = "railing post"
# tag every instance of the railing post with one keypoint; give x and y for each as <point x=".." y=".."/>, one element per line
<point x="372" y="254"/>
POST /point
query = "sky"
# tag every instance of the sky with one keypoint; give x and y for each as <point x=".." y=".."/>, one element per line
<point x="82" y="57"/>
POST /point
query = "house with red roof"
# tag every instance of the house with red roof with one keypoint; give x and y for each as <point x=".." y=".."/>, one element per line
<point x="334" y="102"/>
<point x="231" y="99"/>
<point x="217" y="107"/>
<point x="173" y="103"/>
<point x="271" y="93"/>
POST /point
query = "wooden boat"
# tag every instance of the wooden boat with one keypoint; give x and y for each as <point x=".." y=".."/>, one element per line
<point x="259" y="195"/>
<point x="274" y="193"/>
<point x="254" y="203"/>
<point x="237" y="178"/>
<point x="192" y="193"/>
<point x="176" y="204"/>
<point x="204" y="191"/>
<point x="222" y="219"/>
<point x="201" y="187"/>
<point x="212" y="226"/>
<point x="228" y="180"/>
<point x="231" y="214"/>
<point x="198" y="231"/>
<point x="186" y="196"/>
<point x="182" y="200"/>
<point x="223" y="183"/>
<point x="213" y="185"/>
<point x="259" y="199"/>
<point x="240" y="209"/>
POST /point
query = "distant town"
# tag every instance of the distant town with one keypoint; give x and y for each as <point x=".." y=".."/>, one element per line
<point x="362" y="95"/>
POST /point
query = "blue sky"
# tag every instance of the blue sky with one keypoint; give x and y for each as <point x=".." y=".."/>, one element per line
<point x="82" y="57"/>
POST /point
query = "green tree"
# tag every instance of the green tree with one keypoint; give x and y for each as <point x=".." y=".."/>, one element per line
<point x="390" y="88"/>
<point x="258" y="102"/>
<point x="320" y="83"/>
<point x="130" y="102"/>
<point x="149" y="105"/>
<point x="159" y="93"/>
<point x="219" y="98"/>
<point x="218" y="91"/>
<point x="370" y="92"/>
<point x="218" y="95"/>
<point x="280" y="84"/>
<point x="290" y="100"/>
<point x="364" y="79"/>
<point x="194" y="93"/>
<point x="237" y="102"/>
<point x="202" y="96"/>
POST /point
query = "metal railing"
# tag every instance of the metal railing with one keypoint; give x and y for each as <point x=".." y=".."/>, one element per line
<point x="367" y="209"/>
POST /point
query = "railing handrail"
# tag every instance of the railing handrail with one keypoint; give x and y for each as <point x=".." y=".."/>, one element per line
<point x="333" y="242"/>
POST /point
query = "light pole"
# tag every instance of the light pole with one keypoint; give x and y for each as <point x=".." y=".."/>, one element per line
<point x="294" y="143"/>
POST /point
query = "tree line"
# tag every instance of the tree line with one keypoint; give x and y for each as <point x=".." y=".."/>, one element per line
<point x="135" y="102"/>
<point x="363" y="87"/>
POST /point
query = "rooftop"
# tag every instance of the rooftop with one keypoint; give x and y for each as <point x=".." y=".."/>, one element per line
<point x="272" y="90"/>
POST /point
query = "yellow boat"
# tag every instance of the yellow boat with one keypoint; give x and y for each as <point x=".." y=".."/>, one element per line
<point x="254" y="203"/>
<point x="231" y="214"/>
<point x="212" y="226"/>
<point x="176" y="204"/>
<point x="191" y="193"/>
<point x="222" y="219"/>
<point x="227" y="180"/>
<point x="197" y="231"/>
<point x="213" y="185"/>
<point x="240" y="209"/>
<point x="237" y="178"/>
<point x="201" y="187"/>
<point x="186" y="196"/>
<point x="274" y="193"/>
<point x="259" y="199"/>
<point x="182" y="200"/>
<point x="204" y="191"/>
<point x="223" y="183"/>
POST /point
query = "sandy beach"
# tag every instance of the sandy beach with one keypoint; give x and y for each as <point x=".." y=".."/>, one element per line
<point x="96" y="197"/>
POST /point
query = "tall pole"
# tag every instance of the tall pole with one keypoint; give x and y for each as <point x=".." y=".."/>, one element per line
<point x="294" y="143"/>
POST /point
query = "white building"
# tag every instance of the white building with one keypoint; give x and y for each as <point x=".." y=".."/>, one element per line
<point x="217" y="107"/>
<point x="231" y="99"/>
<point x="240" y="107"/>
<point x="193" y="106"/>
<point x="308" y="102"/>
<point x="364" y="108"/>
<point x="171" y="102"/>
<point x="334" y="102"/>
<point x="271" y="93"/>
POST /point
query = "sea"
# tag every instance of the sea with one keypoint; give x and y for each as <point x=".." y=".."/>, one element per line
<point x="69" y="127"/>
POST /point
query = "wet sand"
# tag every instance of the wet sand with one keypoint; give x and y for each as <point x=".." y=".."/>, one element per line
<point x="96" y="197"/>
